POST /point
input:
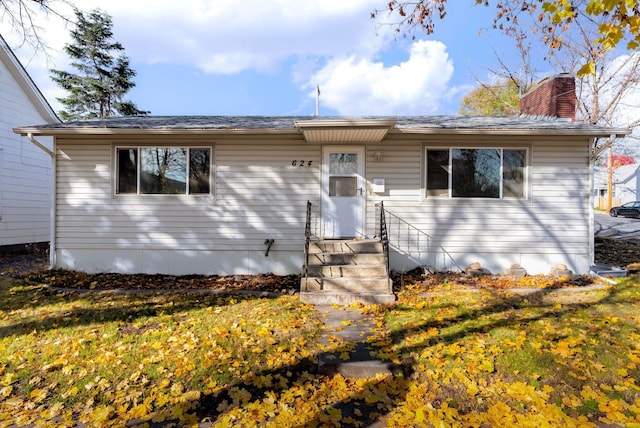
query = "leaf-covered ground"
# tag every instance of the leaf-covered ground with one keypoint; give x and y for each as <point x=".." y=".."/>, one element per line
<point x="494" y="358"/>
<point x="112" y="281"/>
<point x="474" y="355"/>
<point x="289" y="283"/>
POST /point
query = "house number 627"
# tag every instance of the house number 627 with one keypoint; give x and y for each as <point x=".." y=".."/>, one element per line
<point x="300" y="163"/>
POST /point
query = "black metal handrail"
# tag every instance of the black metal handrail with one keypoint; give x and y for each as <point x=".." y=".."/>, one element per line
<point x="392" y="228"/>
<point x="307" y="239"/>
<point x="383" y="234"/>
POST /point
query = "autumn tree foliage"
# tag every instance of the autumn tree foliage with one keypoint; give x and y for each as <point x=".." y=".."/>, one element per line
<point x="619" y="160"/>
<point x="619" y="19"/>
<point x="607" y="81"/>
<point x="501" y="95"/>
<point x="103" y="75"/>
<point x="492" y="99"/>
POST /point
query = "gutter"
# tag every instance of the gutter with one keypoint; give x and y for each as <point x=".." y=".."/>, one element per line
<point x="52" y="209"/>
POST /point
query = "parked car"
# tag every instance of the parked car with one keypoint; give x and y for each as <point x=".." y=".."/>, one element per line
<point x="630" y="209"/>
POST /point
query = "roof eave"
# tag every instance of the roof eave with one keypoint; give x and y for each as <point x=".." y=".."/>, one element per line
<point x="344" y="123"/>
<point x="342" y="130"/>
<point x="307" y="128"/>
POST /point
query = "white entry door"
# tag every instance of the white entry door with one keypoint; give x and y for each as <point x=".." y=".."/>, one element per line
<point x="343" y="192"/>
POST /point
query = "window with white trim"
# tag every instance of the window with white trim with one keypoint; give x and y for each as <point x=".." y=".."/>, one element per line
<point x="490" y="173"/>
<point x="163" y="170"/>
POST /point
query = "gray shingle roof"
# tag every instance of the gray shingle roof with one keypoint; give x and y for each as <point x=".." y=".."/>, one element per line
<point x="285" y="123"/>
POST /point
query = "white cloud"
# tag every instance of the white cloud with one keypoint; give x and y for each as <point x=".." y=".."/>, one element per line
<point x="619" y="88"/>
<point x="618" y="91"/>
<point x="334" y="41"/>
<point x="229" y="36"/>
<point x="628" y="111"/>
<point x="359" y="86"/>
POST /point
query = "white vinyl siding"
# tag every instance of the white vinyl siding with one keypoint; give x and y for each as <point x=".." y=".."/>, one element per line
<point x="550" y="226"/>
<point x="258" y="195"/>
<point x="1" y="174"/>
<point x="25" y="185"/>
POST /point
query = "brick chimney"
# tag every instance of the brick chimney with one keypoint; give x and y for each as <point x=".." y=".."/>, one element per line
<point x="554" y="96"/>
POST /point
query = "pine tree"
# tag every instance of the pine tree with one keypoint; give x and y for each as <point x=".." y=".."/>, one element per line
<point x="102" y="79"/>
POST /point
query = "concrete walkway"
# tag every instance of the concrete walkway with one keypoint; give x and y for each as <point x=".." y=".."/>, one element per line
<point x="345" y="339"/>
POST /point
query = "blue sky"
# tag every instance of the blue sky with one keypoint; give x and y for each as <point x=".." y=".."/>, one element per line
<point x="222" y="57"/>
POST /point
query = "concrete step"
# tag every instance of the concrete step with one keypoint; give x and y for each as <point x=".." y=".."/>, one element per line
<point x="348" y="271"/>
<point x="337" y="246"/>
<point x="380" y="285"/>
<point x="359" y="365"/>
<point x="344" y="299"/>
<point x="346" y="259"/>
<point x="354" y="328"/>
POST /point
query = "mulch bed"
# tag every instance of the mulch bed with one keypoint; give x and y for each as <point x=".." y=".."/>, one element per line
<point x="618" y="252"/>
<point x="416" y="281"/>
<point x="109" y="281"/>
<point x="18" y="265"/>
<point x="33" y="266"/>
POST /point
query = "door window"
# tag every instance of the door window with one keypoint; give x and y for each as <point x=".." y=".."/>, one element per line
<point x="343" y="163"/>
<point x="342" y="186"/>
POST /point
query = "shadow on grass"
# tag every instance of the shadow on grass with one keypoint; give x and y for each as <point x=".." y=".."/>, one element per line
<point x="507" y="310"/>
<point x="362" y="406"/>
<point x="77" y="308"/>
<point x="379" y="396"/>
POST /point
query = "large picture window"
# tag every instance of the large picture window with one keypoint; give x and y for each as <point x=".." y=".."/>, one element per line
<point x="163" y="170"/>
<point x="476" y="173"/>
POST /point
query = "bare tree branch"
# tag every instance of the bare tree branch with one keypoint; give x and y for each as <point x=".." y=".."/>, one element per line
<point x="21" y="17"/>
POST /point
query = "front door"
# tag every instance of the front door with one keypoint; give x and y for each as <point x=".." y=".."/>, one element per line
<point x="343" y="192"/>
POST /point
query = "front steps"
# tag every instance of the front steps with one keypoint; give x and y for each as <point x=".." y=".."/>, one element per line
<point x="346" y="271"/>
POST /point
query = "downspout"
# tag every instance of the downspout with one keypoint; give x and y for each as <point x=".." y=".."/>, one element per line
<point x="52" y="208"/>
<point x="39" y="144"/>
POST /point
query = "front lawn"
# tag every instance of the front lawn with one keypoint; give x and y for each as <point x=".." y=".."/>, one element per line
<point x="470" y="358"/>
<point x="491" y="358"/>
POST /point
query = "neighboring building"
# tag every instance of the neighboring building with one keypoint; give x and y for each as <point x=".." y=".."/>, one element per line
<point x="625" y="185"/>
<point x="228" y="195"/>
<point x="25" y="170"/>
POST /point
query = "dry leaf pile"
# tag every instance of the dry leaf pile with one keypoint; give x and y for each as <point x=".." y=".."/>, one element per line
<point x="417" y="281"/>
<point x="110" y="281"/>
<point x="268" y="282"/>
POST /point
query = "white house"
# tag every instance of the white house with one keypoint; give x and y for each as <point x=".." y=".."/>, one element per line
<point x="227" y="195"/>
<point x="25" y="170"/>
<point x="625" y="183"/>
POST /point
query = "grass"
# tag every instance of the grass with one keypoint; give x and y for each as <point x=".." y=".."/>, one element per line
<point x="571" y="356"/>
<point x="470" y="358"/>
